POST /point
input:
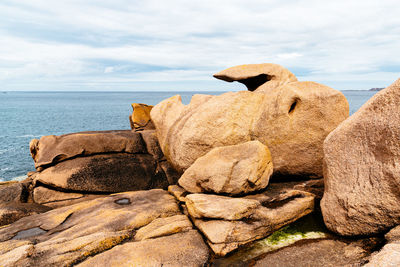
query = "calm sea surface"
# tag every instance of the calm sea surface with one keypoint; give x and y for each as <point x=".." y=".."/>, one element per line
<point x="28" y="115"/>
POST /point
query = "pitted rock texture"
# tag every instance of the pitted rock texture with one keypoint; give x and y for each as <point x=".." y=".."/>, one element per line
<point x="258" y="77"/>
<point x="52" y="149"/>
<point x="237" y="169"/>
<point x="291" y="120"/>
<point x="69" y="235"/>
<point x="105" y="173"/>
<point x="362" y="170"/>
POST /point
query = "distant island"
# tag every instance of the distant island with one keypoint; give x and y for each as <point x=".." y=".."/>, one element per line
<point x="376" y="89"/>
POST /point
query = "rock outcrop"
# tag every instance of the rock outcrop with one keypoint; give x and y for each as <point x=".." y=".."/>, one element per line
<point x="236" y="169"/>
<point x="362" y="170"/>
<point x="258" y="77"/>
<point x="291" y="120"/>
<point x="148" y="222"/>
<point x="140" y="118"/>
<point x="230" y="222"/>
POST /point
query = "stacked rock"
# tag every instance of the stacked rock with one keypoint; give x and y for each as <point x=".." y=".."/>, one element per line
<point x="220" y="197"/>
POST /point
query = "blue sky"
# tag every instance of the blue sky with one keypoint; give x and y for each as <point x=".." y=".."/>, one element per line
<point x="178" y="45"/>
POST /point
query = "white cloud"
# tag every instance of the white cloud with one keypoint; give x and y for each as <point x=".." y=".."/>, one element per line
<point x="190" y="40"/>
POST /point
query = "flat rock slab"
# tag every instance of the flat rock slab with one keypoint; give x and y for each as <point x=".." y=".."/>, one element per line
<point x="226" y="230"/>
<point x="13" y="211"/>
<point x="69" y="235"/>
<point x="105" y="173"/>
<point x="52" y="149"/>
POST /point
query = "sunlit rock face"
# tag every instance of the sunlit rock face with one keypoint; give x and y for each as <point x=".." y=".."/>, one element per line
<point x="291" y="119"/>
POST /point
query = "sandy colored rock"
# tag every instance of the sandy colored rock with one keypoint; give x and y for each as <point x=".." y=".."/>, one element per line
<point x="258" y="77"/>
<point x="245" y="223"/>
<point x="393" y="235"/>
<point x="68" y="235"/>
<point x="13" y="211"/>
<point x="389" y="255"/>
<point x="55" y="199"/>
<point x="236" y="169"/>
<point x="361" y="168"/>
<point x="52" y="149"/>
<point x="105" y="173"/>
<point x="11" y="191"/>
<point x="292" y="121"/>
<point x="140" y="118"/>
<point x="151" y="142"/>
<point x="178" y="192"/>
<point x="220" y="207"/>
<point x="181" y="249"/>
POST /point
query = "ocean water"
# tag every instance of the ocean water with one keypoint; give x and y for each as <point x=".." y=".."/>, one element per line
<point x="28" y="115"/>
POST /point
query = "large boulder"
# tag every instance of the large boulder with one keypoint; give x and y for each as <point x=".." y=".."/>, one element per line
<point x="258" y="77"/>
<point x="362" y="170"/>
<point x="148" y="222"/>
<point x="52" y="149"/>
<point x="105" y="173"/>
<point x="236" y="169"/>
<point x="291" y="120"/>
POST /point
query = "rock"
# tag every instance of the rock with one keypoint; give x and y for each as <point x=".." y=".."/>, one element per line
<point x="258" y="77"/>
<point x="69" y="235"/>
<point x="220" y="207"/>
<point x="292" y="121"/>
<point x="315" y="253"/>
<point x="178" y="192"/>
<point x="236" y="169"/>
<point x="361" y="170"/>
<point x="181" y="249"/>
<point x="52" y="149"/>
<point x="389" y="255"/>
<point x="140" y="118"/>
<point x="11" y="191"/>
<point x="229" y="222"/>
<point x="105" y="173"/>
<point x="13" y="211"/>
<point x="171" y="174"/>
<point x="55" y="199"/>
<point x="152" y="147"/>
<point x="393" y="235"/>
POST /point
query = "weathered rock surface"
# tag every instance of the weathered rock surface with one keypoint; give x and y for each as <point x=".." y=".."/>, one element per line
<point x="389" y="255"/>
<point x="105" y="173"/>
<point x="315" y="253"/>
<point x="292" y="121"/>
<point x="236" y="169"/>
<point x="362" y="170"/>
<point x="55" y="199"/>
<point x="229" y="222"/>
<point x="258" y="77"/>
<point x="52" y="149"/>
<point x="10" y="191"/>
<point x="140" y="118"/>
<point x="13" y="211"/>
<point x="148" y="220"/>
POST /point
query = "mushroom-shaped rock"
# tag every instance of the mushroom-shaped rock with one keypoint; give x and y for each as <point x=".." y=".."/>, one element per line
<point x="235" y="169"/>
<point x="362" y="170"/>
<point x="259" y="77"/>
<point x="292" y="121"/>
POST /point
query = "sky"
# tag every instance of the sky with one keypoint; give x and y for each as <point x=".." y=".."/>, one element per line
<point x="177" y="45"/>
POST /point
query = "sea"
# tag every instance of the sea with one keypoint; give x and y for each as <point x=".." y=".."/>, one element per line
<point x="28" y="115"/>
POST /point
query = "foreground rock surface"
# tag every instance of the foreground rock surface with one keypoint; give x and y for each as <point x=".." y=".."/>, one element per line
<point x="237" y="169"/>
<point x="229" y="222"/>
<point x="292" y="121"/>
<point x="52" y="149"/>
<point x="362" y="171"/>
<point x="69" y="235"/>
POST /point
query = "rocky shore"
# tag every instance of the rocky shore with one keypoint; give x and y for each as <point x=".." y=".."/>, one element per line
<point x="278" y="175"/>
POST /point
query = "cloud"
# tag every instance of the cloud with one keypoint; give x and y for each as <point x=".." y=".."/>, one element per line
<point x="345" y="44"/>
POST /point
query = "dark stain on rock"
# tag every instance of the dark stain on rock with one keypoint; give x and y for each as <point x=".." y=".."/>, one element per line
<point x="25" y="234"/>
<point x="123" y="201"/>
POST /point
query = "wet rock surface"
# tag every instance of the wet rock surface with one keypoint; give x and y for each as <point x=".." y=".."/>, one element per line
<point x="149" y="220"/>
